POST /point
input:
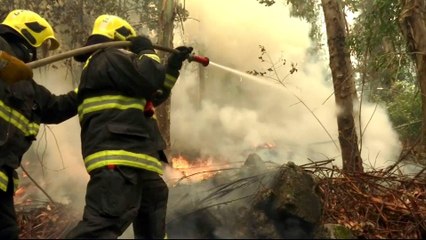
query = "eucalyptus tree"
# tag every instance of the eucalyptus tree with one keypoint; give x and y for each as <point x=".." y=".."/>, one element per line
<point x="386" y="72"/>
<point x="165" y="38"/>
<point x="413" y="27"/>
<point x="341" y="68"/>
<point x="344" y="84"/>
<point x="387" y="40"/>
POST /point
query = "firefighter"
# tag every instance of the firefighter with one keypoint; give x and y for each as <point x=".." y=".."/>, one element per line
<point x="24" y="104"/>
<point x="122" y="146"/>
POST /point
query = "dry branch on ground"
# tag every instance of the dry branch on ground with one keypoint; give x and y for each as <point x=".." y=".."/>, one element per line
<point x="375" y="204"/>
<point x="44" y="220"/>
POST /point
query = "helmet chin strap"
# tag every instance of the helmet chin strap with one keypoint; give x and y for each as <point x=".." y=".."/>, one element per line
<point x="23" y="52"/>
<point x="20" y="48"/>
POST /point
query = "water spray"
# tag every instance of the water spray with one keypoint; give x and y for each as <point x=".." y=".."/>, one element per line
<point x="119" y="44"/>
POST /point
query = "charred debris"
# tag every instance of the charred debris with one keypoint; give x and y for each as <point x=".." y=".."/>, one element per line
<point x="261" y="199"/>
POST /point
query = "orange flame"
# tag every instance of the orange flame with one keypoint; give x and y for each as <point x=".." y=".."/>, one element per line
<point x="20" y="192"/>
<point x="193" y="171"/>
<point x="266" y="146"/>
<point x="180" y="162"/>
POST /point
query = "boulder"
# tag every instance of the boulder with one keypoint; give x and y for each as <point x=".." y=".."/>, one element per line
<point x="255" y="201"/>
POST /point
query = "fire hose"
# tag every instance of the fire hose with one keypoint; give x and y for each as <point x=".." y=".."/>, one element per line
<point x="39" y="63"/>
<point x="149" y="107"/>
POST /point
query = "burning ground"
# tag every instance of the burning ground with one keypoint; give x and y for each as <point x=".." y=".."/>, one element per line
<point x="215" y="127"/>
<point x="261" y="199"/>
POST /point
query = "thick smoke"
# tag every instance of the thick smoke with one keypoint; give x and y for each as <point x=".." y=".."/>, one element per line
<point x="236" y="113"/>
<point x="55" y="158"/>
<point x="232" y="114"/>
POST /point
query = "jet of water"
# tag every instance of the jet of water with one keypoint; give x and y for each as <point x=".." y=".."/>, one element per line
<point x="244" y="75"/>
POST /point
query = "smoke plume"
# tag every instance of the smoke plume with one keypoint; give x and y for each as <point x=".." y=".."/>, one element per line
<point x="231" y="115"/>
<point x="235" y="113"/>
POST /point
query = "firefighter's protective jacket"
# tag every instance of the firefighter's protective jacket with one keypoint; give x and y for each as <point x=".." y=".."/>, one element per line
<point x="114" y="88"/>
<point x="23" y="107"/>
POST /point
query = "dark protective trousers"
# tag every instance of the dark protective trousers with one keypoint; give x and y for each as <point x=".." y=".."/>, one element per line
<point x="8" y="223"/>
<point x="117" y="197"/>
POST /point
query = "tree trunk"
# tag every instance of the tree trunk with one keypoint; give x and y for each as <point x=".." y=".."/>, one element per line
<point x="414" y="29"/>
<point x="165" y="38"/>
<point x="344" y="85"/>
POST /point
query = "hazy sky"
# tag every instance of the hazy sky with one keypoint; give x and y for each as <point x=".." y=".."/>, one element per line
<point x="236" y="113"/>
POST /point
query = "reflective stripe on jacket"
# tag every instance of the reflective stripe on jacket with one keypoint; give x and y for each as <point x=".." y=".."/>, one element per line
<point x="124" y="158"/>
<point x="170" y="81"/>
<point x="100" y="103"/>
<point x="116" y="157"/>
<point x="18" y="120"/>
<point x="113" y="91"/>
<point x="103" y="158"/>
<point x="24" y="105"/>
<point x="4" y="180"/>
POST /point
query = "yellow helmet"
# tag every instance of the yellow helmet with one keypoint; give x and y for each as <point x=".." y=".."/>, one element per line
<point x="113" y="27"/>
<point x="31" y="26"/>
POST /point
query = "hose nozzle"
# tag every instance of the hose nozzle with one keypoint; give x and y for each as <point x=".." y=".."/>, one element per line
<point x="199" y="59"/>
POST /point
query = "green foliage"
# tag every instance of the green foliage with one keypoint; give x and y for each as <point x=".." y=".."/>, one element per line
<point x="146" y="12"/>
<point x="308" y="10"/>
<point x="267" y="2"/>
<point x="382" y="64"/>
<point x="377" y="43"/>
<point x="73" y="20"/>
<point x="405" y="109"/>
<point x="383" y="70"/>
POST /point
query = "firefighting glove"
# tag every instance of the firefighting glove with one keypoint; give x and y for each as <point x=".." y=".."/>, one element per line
<point x="12" y="69"/>
<point x="176" y="59"/>
<point x="140" y="43"/>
